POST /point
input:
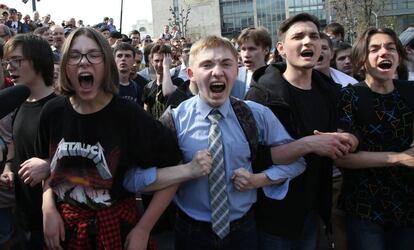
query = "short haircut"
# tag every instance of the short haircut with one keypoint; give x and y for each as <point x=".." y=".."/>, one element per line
<point x="360" y="49"/>
<point x="110" y="84"/>
<point x="134" y="32"/>
<point x="326" y="38"/>
<point x="124" y="46"/>
<point x="160" y="49"/>
<point x="302" y="17"/>
<point x="40" y="30"/>
<point x="259" y="36"/>
<point x="337" y="48"/>
<point x="336" y="29"/>
<point x="35" y="49"/>
<point x="211" y="42"/>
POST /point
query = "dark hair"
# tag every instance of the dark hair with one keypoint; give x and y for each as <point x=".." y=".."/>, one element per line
<point x="147" y="51"/>
<point x="259" y="36"/>
<point x="340" y="46"/>
<point x="360" y="51"/>
<point x="40" y="30"/>
<point x="327" y="38"/>
<point x="302" y="17"/>
<point x="336" y="29"/>
<point x="124" y="46"/>
<point x="35" y="49"/>
<point x="133" y="32"/>
<point x="160" y="49"/>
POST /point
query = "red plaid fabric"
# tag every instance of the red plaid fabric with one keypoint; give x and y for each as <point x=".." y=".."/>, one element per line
<point x="107" y="224"/>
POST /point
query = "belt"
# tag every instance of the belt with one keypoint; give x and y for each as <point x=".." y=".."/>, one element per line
<point x="233" y="224"/>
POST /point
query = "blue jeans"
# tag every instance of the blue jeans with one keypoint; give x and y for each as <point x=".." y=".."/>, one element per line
<point x="6" y="228"/>
<point x="195" y="235"/>
<point x="308" y="241"/>
<point x="365" y="235"/>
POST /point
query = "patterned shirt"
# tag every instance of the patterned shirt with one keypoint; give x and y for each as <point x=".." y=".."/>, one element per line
<point x="383" y="122"/>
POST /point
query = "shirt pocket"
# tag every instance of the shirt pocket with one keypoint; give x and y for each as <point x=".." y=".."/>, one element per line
<point x="239" y="156"/>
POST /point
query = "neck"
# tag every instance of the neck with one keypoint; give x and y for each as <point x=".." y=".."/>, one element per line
<point x="257" y="67"/>
<point x="39" y="90"/>
<point x="378" y="86"/>
<point x="326" y="71"/>
<point x="193" y="88"/>
<point x="90" y="106"/>
<point x="298" y="77"/>
<point x="159" y="79"/>
<point x="124" y="77"/>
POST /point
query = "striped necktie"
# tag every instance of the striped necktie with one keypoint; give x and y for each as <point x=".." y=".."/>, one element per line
<point x="217" y="181"/>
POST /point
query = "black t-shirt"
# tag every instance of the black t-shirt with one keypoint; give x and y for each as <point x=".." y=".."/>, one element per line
<point x="314" y="115"/>
<point x="93" y="151"/>
<point x="154" y="98"/>
<point x="181" y="94"/>
<point x="383" y="123"/>
<point x="28" y="199"/>
<point x="132" y="92"/>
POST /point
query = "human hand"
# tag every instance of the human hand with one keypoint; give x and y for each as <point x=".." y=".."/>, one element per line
<point x="344" y="137"/>
<point x="406" y="158"/>
<point x="137" y="239"/>
<point x="54" y="229"/>
<point x="167" y="61"/>
<point x="7" y="179"/>
<point x="243" y="180"/>
<point x="201" y="164"/>
<point x="332" y="145"/>
<point x="34" y="170"/>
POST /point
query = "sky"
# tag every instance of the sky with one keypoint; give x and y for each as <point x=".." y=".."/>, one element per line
<point x="88" y="11"/>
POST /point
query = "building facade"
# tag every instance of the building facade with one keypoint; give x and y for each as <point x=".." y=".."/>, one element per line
<point x="229" y="17"/>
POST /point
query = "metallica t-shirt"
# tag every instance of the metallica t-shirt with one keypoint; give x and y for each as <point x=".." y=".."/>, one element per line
<point x="90" y="153"/>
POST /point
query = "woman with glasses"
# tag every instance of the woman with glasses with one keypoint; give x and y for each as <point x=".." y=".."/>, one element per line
<point x="91" y="137"/>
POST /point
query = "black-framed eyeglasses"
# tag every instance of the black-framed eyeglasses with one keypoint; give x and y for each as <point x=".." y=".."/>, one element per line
<point x="14" y="63"/>
<point x="93" y="57"/>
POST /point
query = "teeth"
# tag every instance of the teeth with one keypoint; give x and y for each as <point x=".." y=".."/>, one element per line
<point x="217" y="84"/>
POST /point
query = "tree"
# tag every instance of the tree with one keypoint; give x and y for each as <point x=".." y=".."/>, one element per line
<point x="356" y="15"/>
<point x="179" y="18"/>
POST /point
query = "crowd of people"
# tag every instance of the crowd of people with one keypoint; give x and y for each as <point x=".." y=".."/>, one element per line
<point x="233" y="143"/>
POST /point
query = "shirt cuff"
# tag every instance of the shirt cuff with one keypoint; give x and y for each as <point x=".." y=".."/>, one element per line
<point x="137" y="179"/>
<point x="278" y="172"/>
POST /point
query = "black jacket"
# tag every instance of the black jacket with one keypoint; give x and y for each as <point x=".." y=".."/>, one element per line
<point x="285" y="218"/>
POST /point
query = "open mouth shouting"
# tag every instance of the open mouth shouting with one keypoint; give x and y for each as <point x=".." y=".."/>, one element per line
<point x="385" y="65"/>
<point x="217" y="87"/>
<point x="85" y="80"/>
<point x="307" y="53"/>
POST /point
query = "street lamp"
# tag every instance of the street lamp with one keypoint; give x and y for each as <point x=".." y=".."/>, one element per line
<point x="376" y="18"/>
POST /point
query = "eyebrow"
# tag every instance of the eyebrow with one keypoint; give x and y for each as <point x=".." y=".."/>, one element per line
<point x="379" y="45"/>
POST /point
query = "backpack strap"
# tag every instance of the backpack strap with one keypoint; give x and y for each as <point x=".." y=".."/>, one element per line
<point x="248" y="123"/>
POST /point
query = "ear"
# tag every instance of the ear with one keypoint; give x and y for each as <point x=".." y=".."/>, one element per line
<point x="409" y="50"/>
<point x="280" y="49"/>
<point x="190" y="73"/>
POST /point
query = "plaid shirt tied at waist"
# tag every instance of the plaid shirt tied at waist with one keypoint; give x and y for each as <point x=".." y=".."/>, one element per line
<point x="107" y="222"/>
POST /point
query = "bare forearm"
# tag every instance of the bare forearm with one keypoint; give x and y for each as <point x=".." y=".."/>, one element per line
<point x="364" y="159"/>
<point x="48" y="196"/>
<point x="159" y="203"/>
<point x="167" y="85"/>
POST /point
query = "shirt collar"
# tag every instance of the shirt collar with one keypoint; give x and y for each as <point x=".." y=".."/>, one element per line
<point x="204" y="109"/>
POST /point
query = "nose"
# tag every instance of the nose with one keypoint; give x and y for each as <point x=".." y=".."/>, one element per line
<point x="306" y="40"/>
<point x="347" y="59"/>
<point x="83" y="60"/>
<point x="217" y="70"/>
